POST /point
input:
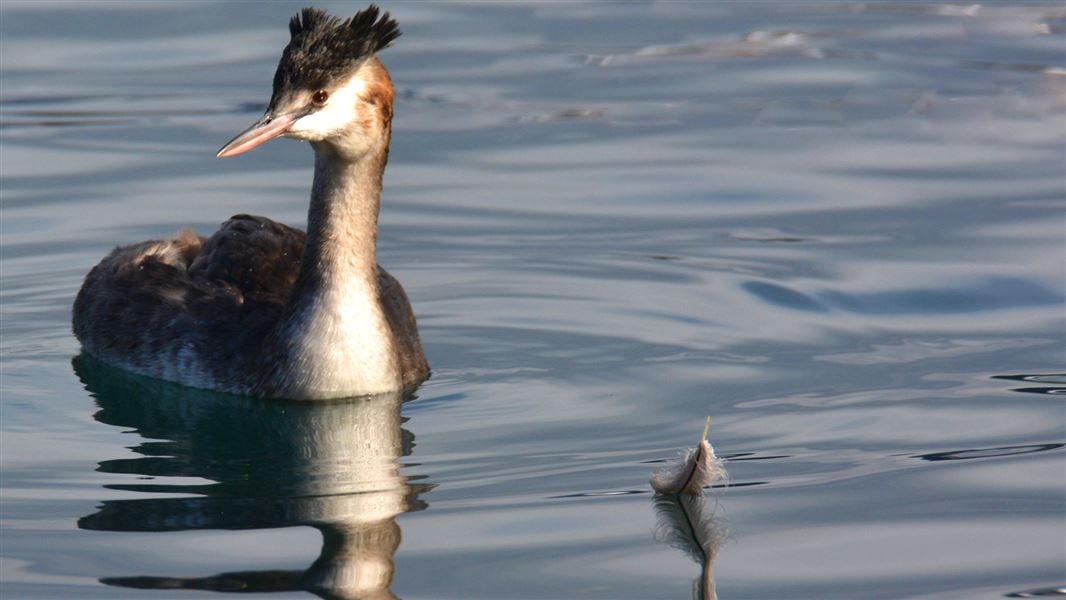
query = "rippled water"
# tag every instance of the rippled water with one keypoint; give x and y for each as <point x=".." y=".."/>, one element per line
<point x="836" y="228"/>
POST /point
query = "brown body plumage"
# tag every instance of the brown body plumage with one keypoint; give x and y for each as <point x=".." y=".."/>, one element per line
<point x="260" y="308"/>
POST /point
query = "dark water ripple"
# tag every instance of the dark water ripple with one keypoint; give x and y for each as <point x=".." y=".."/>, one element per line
<point x="1049" y="378"/>
<point x="994" y="294"/>
<point x="988" y="452"/>
<point x="1038" y="593"/>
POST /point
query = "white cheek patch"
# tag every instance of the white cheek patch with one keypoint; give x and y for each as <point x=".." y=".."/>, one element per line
<point x="337" y="115"/>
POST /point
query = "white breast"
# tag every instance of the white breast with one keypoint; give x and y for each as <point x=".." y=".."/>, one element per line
<point x="341" y="345"/>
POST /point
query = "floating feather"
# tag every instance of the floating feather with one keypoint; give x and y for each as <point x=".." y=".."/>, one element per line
<point x="698" y="468"/>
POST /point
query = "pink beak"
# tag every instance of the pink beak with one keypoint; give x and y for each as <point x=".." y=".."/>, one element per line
<point x="265" y="129"/>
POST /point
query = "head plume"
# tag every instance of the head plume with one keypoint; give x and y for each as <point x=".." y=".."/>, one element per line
<point x="323" y="47"/>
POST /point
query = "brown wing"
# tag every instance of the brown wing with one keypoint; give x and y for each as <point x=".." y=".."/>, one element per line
<point x="258" y="256"/>
<point x="189" y="309"/>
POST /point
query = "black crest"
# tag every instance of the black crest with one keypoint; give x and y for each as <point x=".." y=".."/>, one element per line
<point x="323" y="47"/>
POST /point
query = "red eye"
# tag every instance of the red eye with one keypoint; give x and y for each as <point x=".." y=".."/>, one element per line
<point x="320" y="97"/>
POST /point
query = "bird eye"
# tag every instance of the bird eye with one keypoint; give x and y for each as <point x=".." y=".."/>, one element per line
<point x="320" y="97"/>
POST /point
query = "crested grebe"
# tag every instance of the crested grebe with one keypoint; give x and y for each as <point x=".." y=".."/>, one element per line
<point x="260" y="308"/>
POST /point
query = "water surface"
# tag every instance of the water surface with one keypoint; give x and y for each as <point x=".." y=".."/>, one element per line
<point x="837" y="228"/>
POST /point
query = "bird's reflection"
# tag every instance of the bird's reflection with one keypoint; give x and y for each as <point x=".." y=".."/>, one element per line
<point x="245" y="463"/>
<point x="689" y="524"/>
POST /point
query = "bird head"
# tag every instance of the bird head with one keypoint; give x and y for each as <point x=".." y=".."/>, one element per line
<point x="329" y="88"/>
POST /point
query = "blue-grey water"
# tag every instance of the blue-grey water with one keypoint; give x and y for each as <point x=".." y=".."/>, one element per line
<point x="837" y="228"/>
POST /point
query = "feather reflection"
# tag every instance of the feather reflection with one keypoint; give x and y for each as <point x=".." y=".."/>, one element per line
<point x="689" y="524"/>
<point x="263" y="464"/>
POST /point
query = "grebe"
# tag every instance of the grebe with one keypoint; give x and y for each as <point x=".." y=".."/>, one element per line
<point x="259" y="308"/>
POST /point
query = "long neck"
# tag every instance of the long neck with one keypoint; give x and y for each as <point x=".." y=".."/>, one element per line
<point x="336" y="334"/>
<point x="342" y="223"/>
